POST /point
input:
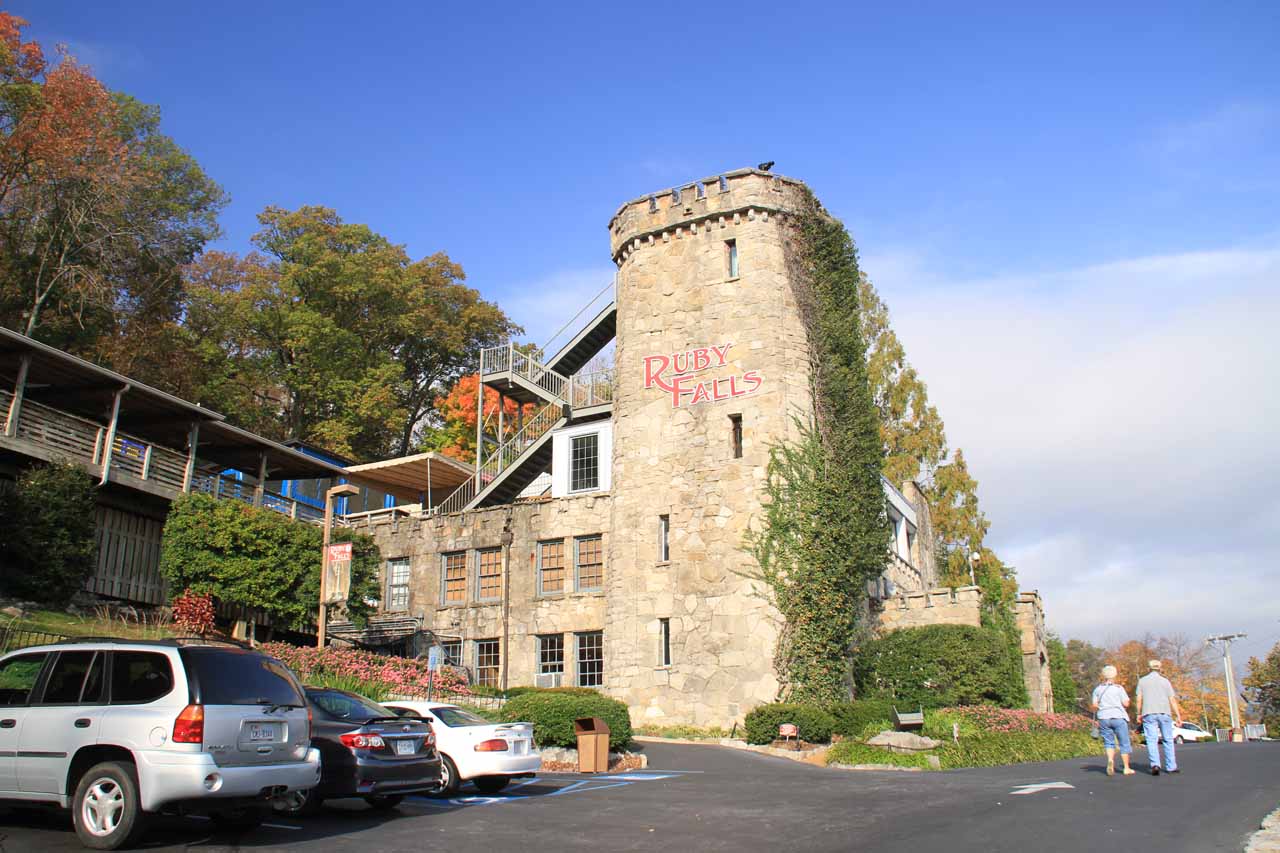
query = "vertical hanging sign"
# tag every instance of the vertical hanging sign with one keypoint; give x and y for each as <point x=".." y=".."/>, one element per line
<point x="337" y="568"/>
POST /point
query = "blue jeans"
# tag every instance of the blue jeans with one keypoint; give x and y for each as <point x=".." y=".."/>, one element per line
<point x="1113" y="730"/>
<point x="1155" y="727"/>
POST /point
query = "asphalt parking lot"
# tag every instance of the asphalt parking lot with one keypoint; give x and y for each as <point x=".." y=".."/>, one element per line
<point x="710" y="798"/>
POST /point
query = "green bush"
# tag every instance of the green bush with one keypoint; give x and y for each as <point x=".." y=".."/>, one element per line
<point x="375" y="690"/>
<point x="853" y="718"/>
<point x="814" y="724"/>
<point x="938" y="725"/>
<point x="850" y="752"/>
<point x="513" y="692"/>
<point x="255" y="557"/>
<point x="47" y="535"/>
<point x="552" y="714"/>
<point x="1015" y="748"/>
<point x="939" y="665"/>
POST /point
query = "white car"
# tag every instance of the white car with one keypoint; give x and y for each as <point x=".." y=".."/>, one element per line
<point x="1190" y="732"/>
<point x="473" y="749"/>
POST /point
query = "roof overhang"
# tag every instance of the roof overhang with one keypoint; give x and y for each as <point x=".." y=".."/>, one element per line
<point x="407" y="477"/>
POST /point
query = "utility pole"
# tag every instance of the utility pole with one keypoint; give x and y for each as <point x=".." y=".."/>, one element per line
<point x="1228" y="672"/>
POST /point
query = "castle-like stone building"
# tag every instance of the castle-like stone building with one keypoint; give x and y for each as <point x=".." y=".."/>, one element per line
<point x="601" y="543"/>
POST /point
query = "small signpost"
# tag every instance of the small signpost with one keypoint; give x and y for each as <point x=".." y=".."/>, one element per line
<point x="789" y="730"/>
<point x="337" y="568"/>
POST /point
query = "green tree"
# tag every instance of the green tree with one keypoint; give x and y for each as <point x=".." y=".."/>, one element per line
<point x="915" y="441"/>
<point x="940" y="665"/>
<point x="98" y="208"/>
<point x="47" y="533"/>
<point x="824" y="531"/>
<point x="1065" y="689"/>
<point x="1263" y="685"/>
<point x="328" y="333"/>
<point x="1084" y="663"/>
<point x="257" y="558"/>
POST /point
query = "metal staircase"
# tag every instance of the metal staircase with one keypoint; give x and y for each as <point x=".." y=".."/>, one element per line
<point x="565" y="395"/>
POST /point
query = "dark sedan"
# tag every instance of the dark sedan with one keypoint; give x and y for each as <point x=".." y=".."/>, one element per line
<point x="366" y="751"/>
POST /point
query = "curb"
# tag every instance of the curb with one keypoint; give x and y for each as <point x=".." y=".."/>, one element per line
<point x="1266" y="839"/>
<point x="732" y="743"/>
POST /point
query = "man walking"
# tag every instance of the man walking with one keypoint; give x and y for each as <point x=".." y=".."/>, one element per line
<point x="1157" y="711"/>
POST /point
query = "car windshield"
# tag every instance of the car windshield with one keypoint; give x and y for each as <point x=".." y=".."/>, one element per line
<point x="454" y="717"/>
<point x="240" y="677"/>
<point x="347" y="706"/>
<point x="1192" y="726"/>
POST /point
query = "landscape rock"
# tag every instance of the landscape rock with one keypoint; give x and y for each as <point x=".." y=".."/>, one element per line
<point x="903" y="742"/>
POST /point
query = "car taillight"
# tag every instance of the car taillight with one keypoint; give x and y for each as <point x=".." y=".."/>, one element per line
<point x="359" y="741"/>
<point x="431" y="738"/>
<point x="492" y="745"/>
<point x="189" y="727"/>
<point x="310" y="724"/>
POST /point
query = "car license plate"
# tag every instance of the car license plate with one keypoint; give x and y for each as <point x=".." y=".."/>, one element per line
<point x="262" y="732"/>
<point x="405" y="747"/>
<point x="521" y="747"/>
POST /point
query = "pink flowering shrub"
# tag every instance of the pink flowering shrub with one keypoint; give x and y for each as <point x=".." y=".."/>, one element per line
<point x="403" y="676"/>
<point x="988" y="719"/>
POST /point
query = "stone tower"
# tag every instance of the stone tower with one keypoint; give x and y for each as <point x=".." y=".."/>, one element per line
<point x="712" y="368"/>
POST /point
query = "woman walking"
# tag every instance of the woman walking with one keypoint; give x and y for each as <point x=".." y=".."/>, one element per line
<point x="1109" y="703"/>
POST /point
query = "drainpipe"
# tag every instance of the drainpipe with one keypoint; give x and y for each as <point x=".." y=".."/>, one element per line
<point x="507" y="539"/>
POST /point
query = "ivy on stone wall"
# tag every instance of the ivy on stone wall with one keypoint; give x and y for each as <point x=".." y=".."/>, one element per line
<point x="824" y="532"/>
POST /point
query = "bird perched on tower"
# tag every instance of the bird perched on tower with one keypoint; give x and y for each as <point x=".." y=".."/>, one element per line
<point x="764" y="167"/>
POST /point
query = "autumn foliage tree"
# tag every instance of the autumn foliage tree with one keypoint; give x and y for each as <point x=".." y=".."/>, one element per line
<point x="98" y="209"/>
<point x="457" y="410"/>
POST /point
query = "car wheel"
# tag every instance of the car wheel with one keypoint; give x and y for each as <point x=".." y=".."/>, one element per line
<point x="240" y="820"/>
<point x="298" y="803"/>
<point x="1178" y="740"/>
<point x="384" y="802"/>
<point x="448" y="778"/>
<point x="491" y="784"/>
<point x="106" y="809"/>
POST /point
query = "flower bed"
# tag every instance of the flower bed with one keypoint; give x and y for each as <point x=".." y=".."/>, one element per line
<point x="987" y="719"/>
<point x="403" y="676"/>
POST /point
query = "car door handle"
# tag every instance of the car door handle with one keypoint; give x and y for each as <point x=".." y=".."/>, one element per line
<point x="8" y="724"/>
<point x="82" y="723"/>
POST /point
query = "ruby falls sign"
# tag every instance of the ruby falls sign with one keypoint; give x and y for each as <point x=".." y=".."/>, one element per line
<point x="676" y="374"/>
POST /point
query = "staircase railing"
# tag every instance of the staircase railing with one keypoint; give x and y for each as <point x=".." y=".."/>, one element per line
<point x="566" y="333"/>
<point x="541" y="423"/>
<point x="507" y="358"/>
<point x="591" y="389"/>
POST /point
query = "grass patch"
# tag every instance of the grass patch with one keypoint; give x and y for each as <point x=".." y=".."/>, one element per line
<point x="851" y="752"/>
<point x="994" y="750"/>
<point x="683" y="732"/>
<point x="149" y="626"/>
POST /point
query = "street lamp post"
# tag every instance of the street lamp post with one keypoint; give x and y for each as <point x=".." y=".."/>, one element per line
<point x="337" y="491"/>
<point x="1229" y="673"/>
<point x="974" y="559"/>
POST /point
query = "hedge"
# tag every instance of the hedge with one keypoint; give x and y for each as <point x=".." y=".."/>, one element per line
<point x="937" y="666"/>
<point x="851" y="752"/>
<point x="47" y="533"/>
<point x="513" y="692"/>
<point x="815" y="725"/>
<point x="552" y="714"/>
<point x="853" y="718"/>
<point x="1017" y="747"/>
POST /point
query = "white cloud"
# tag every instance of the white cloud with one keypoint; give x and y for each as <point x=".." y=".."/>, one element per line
<point x="542" y="306"/>
<point x="1121" y="419"/>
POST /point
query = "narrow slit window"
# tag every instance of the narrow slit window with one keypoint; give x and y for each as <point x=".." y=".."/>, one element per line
<point x="664" y="650"/>
<point x="731" y="257"/>
<point x="735" y="435"/>
<point x="664" y="538"/>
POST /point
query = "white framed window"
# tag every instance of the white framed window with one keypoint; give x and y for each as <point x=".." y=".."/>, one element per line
<point x="488" y="660"/>
<point x="398" y="584"/>
<point x="584" y="462"/>
<point x="550" y="654"/>
<point x="590" y="658"/>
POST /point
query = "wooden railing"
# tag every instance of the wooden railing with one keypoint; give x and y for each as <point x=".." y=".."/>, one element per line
<point x="83" y="441"/>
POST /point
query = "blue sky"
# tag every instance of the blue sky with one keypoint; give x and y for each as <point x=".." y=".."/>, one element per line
<point x="1074" y="218"/>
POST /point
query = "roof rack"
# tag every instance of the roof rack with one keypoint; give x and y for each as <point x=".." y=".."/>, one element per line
<point x="164" y="641"/>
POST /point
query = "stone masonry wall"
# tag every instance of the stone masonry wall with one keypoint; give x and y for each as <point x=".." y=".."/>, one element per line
<point x="675" y="294"/>
<point x="1035" y="655"/>
<point x="425" y="539"/>
<point x="943" y="606"/>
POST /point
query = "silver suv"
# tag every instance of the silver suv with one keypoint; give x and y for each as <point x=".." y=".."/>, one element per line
<point x="114" y="729"/>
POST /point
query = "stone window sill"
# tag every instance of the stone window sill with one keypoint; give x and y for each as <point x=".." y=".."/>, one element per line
<point x="662" y="564"/>
<point x="731" y="278"/>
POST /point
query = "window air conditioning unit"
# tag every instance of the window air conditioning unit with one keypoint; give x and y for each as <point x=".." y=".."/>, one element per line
<point x="548" y="679"/>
